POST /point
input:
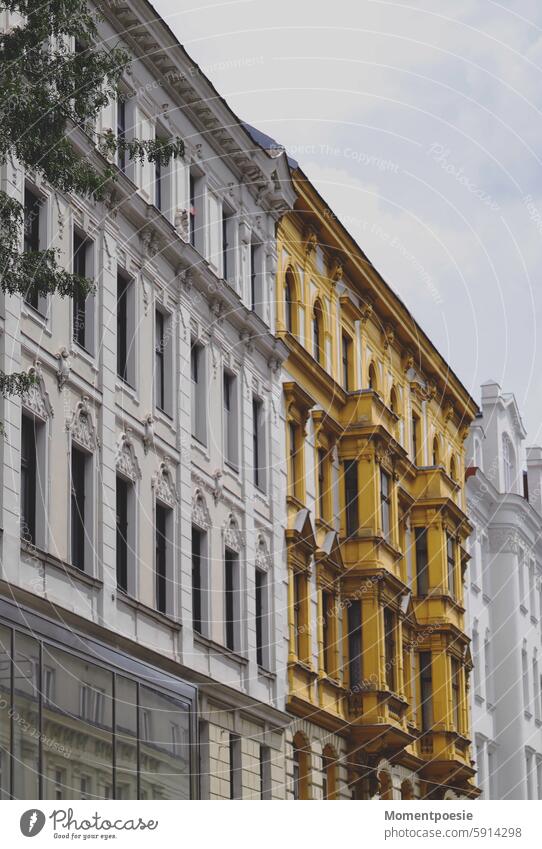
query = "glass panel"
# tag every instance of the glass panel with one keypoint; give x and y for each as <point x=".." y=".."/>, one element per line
<point x="5" y="707"/>
<point x="165" y="746"/>
<point x="25" y="716"/>
<point x="77" y="728"/>
<point x="126" y="738"/>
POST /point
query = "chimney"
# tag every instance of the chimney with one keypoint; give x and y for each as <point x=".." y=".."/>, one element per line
<point x="534" y="478"/>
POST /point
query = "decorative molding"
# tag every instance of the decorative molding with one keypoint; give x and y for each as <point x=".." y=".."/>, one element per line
<point x="81" y="426"/>
<point x="148" y="433"/>
<point x="200" y="512"/>
<point x="126" y="459"/>
<point x="64" y="367"/>
<point x="36" y="398"/>
<point x="233" y="538"/>
<point x="263" y="558"/>
<point x="163" y="485"/>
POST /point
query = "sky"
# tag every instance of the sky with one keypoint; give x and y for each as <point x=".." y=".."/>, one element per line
<point x="420" y="123"/>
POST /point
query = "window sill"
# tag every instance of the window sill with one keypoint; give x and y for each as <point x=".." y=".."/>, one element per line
<point x="37" y="317"/>
<point x="82" y="353"/>
<point x="474" y="587"/>
<point x="208" y="643"/>
<point x="479" y="700"/>
<point x="534" y="620"/>
<point x="140" y="607"/>
<point x="165" y="418"/>
<point x="61" y="565"/>
<point x="527" y="714"/>
<point x="266" y="673"/>
<point x="523" y="609"/>
<point x="200" y="447"/>
<point x="127" y="389"/>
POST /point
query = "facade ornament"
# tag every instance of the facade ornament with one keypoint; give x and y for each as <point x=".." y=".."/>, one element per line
<point x="246" y="338"/>
<point x="150" y="241"/>
<point x="126" y="460"/>
<point x="217" y="486"/>
<point x="148" y="433"/>
<point x="81" y="426"/>
<point x="233" y="538"/>
<point x="182" y="224"/>
<point x="163" y="485"/>
<point x="389" y="336"/>
<point x="311" y="241"/>
<point x="431" y="388"/>
<point x="448" y="410"/>
<point x="262" y="559"/>
<point x="64" y="367"/>
<point x="336" y="269"/>
<point x="200" y="512"/>
<point x="366" y="311"/>
<point x="36" y="398"/>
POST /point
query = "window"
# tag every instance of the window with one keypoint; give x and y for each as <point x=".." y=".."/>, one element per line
<point x="323" y="486"/>
<point x="301" y="769"/>
<point x="80" y="463"/>
<point x="290" y="314"/>
<point x="121" y="131"/>
<point x="426" y="690"/>
<point x="231" y="600"/>
<point x="265" y="773"/>
<point x="347" y="363"/>
<point x="525" y="680"/>
<point x="198" y="547"/>
<point x="125" y="329"/>
<point x="231" y="420"/>
<point x="509" y="464"/>
<point x="262" y="638"/>
<point x="228" y="244"/>
<point x="456" y="694"/>
<point x="373" y="383"/>
<point x="385" y="503"/>
<point x="295" y="460"/>
<point x="91" y="704"/>
<point x="450" y="559"/>
<point x="197" y="370"/>
<point x="422" y="561"/>
<point x="318" y="334"/>
<point x="258" y="443"/>
<point x="389" y="638"/>
<point x="355" y="671"/>
<point x="163" y="363"/>
<point x="415" y="427"/>
<point x="235" y="767"/>
<point x="329" y="774"/>
<point x="33" y="230"/>
<point x="162" y="555"/>
<point x="122" y="497"/>
<point x="328" y="633"/>
<point x="83" y="305"/>
<point x="300" y="615"/>
<point x="435" y="457"/>
<point x="488" y="680"/>
<point x="160" y="180"/>
<point x="28" y="479"/>
<point x="476" y="659"/>
<point x="256" y="279"/>
<point x="351" y="496"/>
<point x="197" y="233"/>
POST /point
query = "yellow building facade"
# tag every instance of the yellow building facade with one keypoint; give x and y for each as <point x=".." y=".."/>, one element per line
<point x="374" y="427"/>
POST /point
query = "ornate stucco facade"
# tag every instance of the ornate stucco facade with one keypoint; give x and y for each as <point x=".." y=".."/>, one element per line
<point x="132" y="513"/>
<point x="504" y="483"/>
<point x="373" y="428"/>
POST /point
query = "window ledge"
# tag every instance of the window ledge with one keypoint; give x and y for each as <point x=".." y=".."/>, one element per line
<point x="534" y="620"/>
<point x="474" y="587"/>
<point x="37" y="317"/>
<point x="79" y="352"/>
<point x="127" y="389"/>
<point x="140" y="607"/>
<point x="220" y="649"/>
<point x="200" y="447"/>
<point x="479" y="699"/>
<point x="61" y="565"/>
<point x="266" y="673"/>
<point x="165" y="418"/>
<point x="527" y="714"/>
<point x="523" y="609"/>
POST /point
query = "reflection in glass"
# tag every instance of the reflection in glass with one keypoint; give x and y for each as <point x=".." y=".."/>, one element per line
<point x="165" y="750"/>
<point x="5" y="705"/>
<point x="126" y="738"/>
<point x="77" y="728"/>
<point x="26" y="717"/>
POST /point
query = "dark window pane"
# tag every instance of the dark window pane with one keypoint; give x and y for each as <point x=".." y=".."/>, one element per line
<point x="122" y="533"/>
<point x="78" y="507"/>
<point x="79" y="301"/>
<point x="5" y="708"/>
<point x="28" y="479"/>
<point x="126" y="738"/>
<point x="354" y="644"/>
<point x="197" y="542"/>
<point x="161" y="556"/>
<point x="422" y="565"/>
<point x="26" y="717"/>
<point x="165" y="746"/>
<point x="231" y="565"/>
<point x="351" y="496"/>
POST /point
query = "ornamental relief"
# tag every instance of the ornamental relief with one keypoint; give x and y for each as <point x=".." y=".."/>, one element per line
<point x="200" y="512"/>
<point x="263" y="558"/>
<point x="81" y="426"/>
<point x="233" y="538"/>
<point x="163" y="485"/>
<point x="126" y="459"/>
<point x="36" y="398"/>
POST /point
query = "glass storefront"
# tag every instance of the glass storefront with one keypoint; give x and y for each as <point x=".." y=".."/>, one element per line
<point x="79" y="720"/>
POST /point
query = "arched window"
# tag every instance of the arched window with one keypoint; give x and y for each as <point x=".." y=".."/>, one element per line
<point x="372" y="378"/>
<point x="329" y="773"/>
<point x="302" y="759"/>
<point x="509" y="463"/>
<point x="384" y="783"/>
<point x="436" y="453"/>
<point x="318" y="333"/>
<point x="453" y="469"/>
<point x="406" y="790"/>
<point x="290" y="302"/>
<point x="393" y="401"/>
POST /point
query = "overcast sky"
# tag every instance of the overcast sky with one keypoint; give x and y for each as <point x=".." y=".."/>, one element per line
<point x="421" y="125"/>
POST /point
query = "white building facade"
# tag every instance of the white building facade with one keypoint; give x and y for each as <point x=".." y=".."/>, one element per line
<point x="141" y="616"/>
<point x="504" y="600"/>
